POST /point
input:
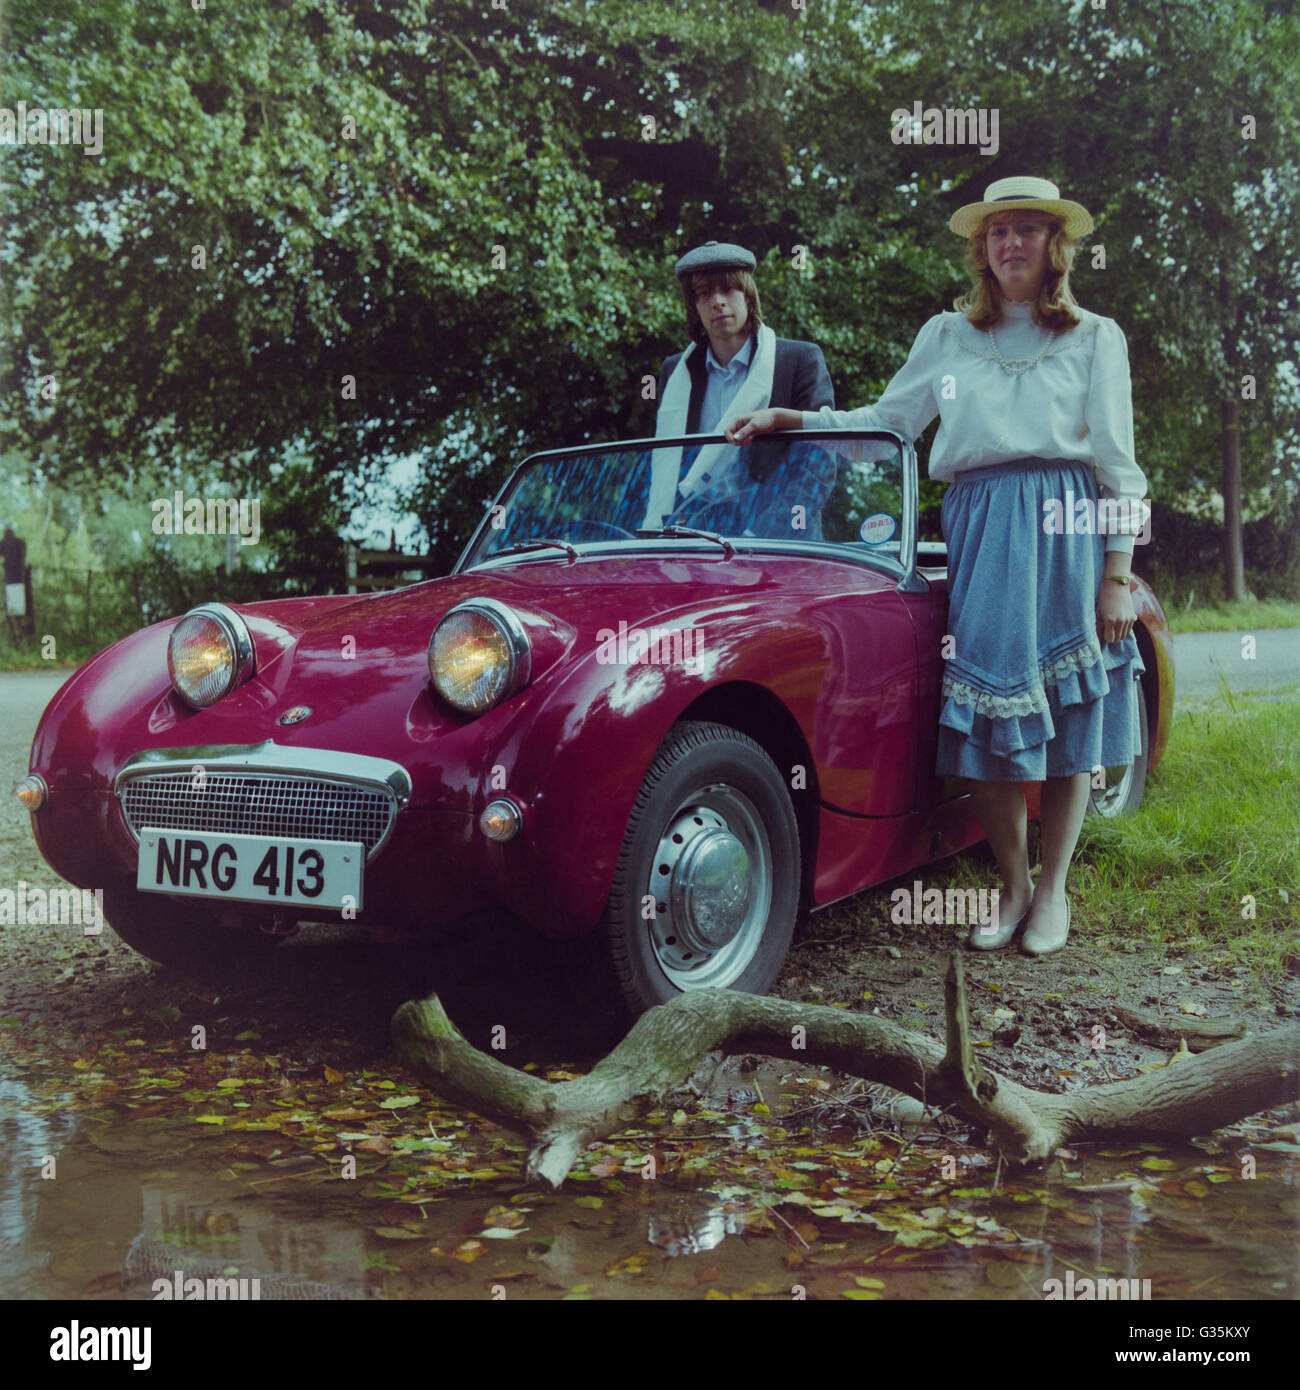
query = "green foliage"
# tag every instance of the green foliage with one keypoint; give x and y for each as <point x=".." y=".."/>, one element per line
<point x="324" y="236"/>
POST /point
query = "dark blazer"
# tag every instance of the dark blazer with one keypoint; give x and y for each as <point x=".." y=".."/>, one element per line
<point x="800" y="380"/>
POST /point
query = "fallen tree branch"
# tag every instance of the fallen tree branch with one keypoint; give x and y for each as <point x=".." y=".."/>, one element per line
<point x="1201" y="1033"/>
<point x="666" y="1044"/>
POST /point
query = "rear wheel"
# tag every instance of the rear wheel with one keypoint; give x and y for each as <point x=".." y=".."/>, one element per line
<point x="706" y="887"/>
<point x="182" y="935"/>
<point x="1124" y="785"/>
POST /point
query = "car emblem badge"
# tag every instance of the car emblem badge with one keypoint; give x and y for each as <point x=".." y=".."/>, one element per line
<point x="295" y="715"/>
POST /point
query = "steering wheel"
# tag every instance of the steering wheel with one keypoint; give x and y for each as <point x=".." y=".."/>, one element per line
<point x="721" y="515"/>
<point x="601" y="528"/>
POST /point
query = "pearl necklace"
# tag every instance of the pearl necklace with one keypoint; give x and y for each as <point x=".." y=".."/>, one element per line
<point x="1020" y="365"/>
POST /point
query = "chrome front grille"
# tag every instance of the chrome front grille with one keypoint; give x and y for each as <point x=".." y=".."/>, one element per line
<point x="262" y="803"/>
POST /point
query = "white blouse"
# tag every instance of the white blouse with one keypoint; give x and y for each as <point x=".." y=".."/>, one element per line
<point x="1076" y="403"/>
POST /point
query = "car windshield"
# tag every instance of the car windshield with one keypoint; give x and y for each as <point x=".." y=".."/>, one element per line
<point x="824" y="488"/>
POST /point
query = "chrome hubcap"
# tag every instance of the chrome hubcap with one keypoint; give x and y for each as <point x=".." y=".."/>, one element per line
<point x="711" y="881"/>
<point x="1118" y="780"/>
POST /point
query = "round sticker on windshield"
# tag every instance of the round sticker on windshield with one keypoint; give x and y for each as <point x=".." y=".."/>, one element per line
<point x="878" y="529"/>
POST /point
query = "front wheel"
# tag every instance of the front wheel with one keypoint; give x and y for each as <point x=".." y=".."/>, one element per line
<point x="1123" y="787"/>
<point x="706" y="887"/>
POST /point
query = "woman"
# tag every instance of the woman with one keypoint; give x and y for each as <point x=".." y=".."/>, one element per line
<point x="1035" y="404"/>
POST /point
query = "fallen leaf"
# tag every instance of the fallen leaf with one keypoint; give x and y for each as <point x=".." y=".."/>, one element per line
<point x="468" y="1251"/>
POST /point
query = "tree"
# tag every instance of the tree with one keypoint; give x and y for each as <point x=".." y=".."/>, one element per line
<point x="356" y="233"/>
<point x="1177" y="126"/>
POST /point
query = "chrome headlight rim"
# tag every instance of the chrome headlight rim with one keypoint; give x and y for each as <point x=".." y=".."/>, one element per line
<point x="519" y="651"/>
<point x="236" y="633"/>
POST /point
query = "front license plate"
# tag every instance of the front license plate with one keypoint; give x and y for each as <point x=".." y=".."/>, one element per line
<point x="251" y="868"/>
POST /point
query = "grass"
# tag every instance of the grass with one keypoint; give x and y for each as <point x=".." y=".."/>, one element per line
<point x="26" y="654"/>
<point x="1215" y="840"/>
<point x="1247" y="616"/>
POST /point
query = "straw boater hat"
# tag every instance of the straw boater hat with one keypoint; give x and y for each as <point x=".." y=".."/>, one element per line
<point x="1022" y="192"/>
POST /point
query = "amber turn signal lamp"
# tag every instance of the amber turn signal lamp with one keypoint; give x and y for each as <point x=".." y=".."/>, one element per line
<point x="32" y="792"/>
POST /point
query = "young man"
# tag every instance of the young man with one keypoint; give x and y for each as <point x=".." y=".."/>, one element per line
<point x="734" y="364"/>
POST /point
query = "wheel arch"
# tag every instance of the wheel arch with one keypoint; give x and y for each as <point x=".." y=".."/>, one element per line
<point x="580" y="761"/>
<point x="1157" y="691"/>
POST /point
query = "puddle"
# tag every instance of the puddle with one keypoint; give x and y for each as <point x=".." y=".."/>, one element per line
<point x="137" y="1201"/>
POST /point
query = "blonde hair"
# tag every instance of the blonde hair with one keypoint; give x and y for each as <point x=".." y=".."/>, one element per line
<point x="1055" y="305"/>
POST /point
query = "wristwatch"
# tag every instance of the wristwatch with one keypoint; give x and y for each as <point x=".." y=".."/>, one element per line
<point x="1123" y="579"/>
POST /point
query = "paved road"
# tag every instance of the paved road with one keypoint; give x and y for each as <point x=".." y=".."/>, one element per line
<point x="23" y="695"/>
<point x="1200" y="656"/>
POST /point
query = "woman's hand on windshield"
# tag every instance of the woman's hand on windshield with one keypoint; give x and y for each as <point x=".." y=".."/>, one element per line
<point x="746" y="427"/>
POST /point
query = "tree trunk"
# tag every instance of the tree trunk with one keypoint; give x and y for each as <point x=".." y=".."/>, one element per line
<point x="1234" y="569"/>
<point x="665" y="1045"/>
<point x="1234" y="565"/>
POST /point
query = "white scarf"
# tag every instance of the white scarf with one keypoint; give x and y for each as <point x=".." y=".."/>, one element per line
<point x="755" y="393"/>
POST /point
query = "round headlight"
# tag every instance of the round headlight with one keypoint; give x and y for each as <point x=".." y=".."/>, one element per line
<point x="479" y="654"/>
<point x="209" y="654"/>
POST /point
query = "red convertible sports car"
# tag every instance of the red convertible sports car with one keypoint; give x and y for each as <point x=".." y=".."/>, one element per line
<point x="662" y="734"/>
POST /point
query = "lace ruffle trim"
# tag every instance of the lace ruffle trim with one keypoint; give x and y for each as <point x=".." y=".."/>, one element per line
<point x="1031" y="701"/>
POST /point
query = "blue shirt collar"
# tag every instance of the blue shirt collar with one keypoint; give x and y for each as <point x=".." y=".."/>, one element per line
<point x="741" y="359"/>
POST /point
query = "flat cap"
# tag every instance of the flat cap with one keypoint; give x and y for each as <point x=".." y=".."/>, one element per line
<point x="715" y="255"/>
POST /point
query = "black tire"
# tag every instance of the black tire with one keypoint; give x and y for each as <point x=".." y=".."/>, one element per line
<point x="181" y="935"/>
<point x="1122" y="794"/>
<point x="713" y="839"/>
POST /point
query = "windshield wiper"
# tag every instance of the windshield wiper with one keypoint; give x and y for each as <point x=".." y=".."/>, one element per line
<point x="534" y="545"/>
<point x="688" y="531"/>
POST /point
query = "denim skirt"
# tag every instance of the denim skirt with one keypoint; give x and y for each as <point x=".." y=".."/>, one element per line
<point x="1029" y="691"/>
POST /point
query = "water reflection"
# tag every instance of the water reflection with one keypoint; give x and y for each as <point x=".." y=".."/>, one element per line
<point x="704" y="1230"/>
<point x="150" y="1199"/>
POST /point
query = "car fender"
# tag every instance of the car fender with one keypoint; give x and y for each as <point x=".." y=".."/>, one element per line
<point x="577" y="760"/>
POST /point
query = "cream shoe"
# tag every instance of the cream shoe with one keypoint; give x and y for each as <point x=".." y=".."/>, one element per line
<point x="1042" y="941"/>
